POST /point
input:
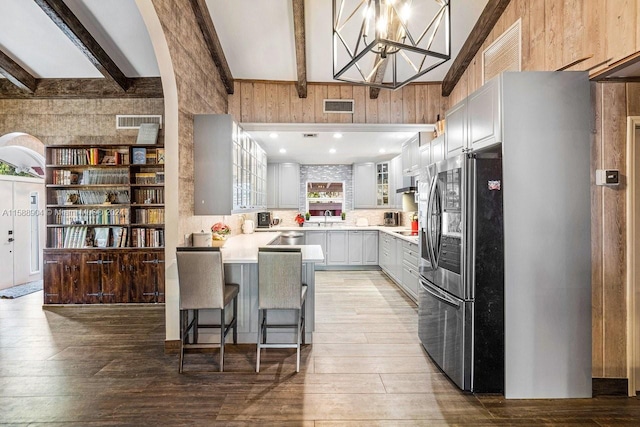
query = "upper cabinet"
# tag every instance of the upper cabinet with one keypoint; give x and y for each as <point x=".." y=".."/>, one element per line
<point x="475" y="122"/>
<point x="383" y="187"/>
<point x="411" y="156"/>
<point x="438" y="149"/>
<point x="230" y="168"/>
<point x="483" y="108"/>
<point x="283" y="186"/>
<point x="456" y="129"/>
<point x="364" y="185"/>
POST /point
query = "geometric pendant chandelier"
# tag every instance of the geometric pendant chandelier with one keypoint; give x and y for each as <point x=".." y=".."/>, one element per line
<point x="389" y="43"/>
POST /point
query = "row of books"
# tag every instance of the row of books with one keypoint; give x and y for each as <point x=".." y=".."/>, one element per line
<point x="148" y="195"/>
<point x="91" y="216"/>
<point x="104" y="176"/>
<point x="147" y="238"/>
<point x="149" y="177"/>
<point x="150" y="216"/>
<point x="69" y="237"/>
<point x="143" y="156"/>
<point x="89" y="156"/>
<point x="113" y="237"/>
<point x="90" y="197"/>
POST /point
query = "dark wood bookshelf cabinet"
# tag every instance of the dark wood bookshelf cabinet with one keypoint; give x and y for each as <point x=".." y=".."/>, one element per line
<point x="105" y="224"/>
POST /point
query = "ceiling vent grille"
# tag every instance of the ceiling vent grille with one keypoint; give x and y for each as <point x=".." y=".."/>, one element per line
<point x="504" y="54"/>
<point x="134" y="121"/>
<point x="338" y="106"/>
<point x="309" y="135"/>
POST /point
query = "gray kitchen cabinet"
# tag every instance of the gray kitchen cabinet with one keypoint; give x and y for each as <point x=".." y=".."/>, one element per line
<point x="314" y="237"/>
<point x="364" y="185"/>
<point x="410" y="268"/>
<point x="411" y="156"/>
<point x="337" y="248"/>
<point x="483" y="108"/>
<point x="239" y="163"/>
<point x="438" y="149"/>
<point x="456" y="129"/>
<point x="388" y="254"/>
<point x="397" y="182"/>
<point x="397" y="261"/>
<point x="369" y="248"/>
<point x="383" y="185"/>
<point x="356" y="247"/>
<point x="283" y="186"/>
<point x="425" y="155"/>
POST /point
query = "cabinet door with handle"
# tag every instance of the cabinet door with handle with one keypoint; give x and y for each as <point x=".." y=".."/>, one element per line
<point x="356" y="241"/>
<point x="89" y="290"/>
<point x="60" y="277"/>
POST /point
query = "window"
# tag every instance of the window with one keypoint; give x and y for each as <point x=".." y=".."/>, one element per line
<point x="325" y="196"/>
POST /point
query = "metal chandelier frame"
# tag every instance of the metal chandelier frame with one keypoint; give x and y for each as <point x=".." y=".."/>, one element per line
<point x="387" y="49"/>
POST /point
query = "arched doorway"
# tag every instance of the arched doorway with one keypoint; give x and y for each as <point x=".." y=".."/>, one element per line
<point x="22" y="210"/>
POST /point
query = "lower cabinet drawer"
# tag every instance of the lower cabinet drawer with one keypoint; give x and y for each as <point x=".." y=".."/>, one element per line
<point x="410" y="280"/>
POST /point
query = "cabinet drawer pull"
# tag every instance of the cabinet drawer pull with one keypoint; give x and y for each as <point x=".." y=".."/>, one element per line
<point x="95" y="262"/>
<point x="51" y="262"/>
<point x="107" y="262"/>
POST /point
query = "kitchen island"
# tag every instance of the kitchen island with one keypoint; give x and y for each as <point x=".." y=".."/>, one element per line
<point x="240" y="258"/>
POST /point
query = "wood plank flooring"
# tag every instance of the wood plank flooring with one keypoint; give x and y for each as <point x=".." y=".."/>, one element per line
<point x="106" y="366"/>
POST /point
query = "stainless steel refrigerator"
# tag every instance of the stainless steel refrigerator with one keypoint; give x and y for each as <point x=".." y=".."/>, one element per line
<point x="505" y="295"/>
<point x="461" y="294"/>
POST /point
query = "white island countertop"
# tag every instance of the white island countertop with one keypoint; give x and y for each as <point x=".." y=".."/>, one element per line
<point x="243" y="248"/>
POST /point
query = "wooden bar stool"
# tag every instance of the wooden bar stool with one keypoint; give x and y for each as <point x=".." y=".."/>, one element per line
<point x="202" y="287"/>
<point x="280" y="287"/>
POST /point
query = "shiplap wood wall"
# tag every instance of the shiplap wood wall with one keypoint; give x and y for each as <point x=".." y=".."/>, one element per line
<point x="557" y="32"/>
<point x="278" y="102"/>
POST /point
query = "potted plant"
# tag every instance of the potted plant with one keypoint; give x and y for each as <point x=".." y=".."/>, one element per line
<point x="300" y="219"/>
<point x="343" y="215"/>
<point x="307" y="216"/>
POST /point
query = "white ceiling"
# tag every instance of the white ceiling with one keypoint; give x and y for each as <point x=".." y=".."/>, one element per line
<point x="359" y="143"/>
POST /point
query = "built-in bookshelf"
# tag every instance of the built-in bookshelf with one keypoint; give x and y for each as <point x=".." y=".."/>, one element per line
<point x="105" y="224"/>
<point x="118" y="190"/>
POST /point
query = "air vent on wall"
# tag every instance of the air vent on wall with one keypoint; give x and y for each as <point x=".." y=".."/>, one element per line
<point x="504" y="54"/>
<point x="309" y="135"/>
<point x="134" y="121"/>
<point x="338" y="106"/>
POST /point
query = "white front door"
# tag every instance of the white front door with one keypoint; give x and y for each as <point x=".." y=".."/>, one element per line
<point x="6" y="234"/>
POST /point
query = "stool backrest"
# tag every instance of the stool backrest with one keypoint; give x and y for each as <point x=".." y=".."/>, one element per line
<point x="201" y="279"/>
<point x="279" y="277"/>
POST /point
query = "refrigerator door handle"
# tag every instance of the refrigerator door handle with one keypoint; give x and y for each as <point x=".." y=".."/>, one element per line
<point x="439" y="296"/>
<point x="430" y="249"/>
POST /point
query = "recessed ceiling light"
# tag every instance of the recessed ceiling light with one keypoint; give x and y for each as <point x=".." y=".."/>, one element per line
<point x="282" y="150"/>
<point x="337" y="135"/>
<point x="332" y="150"/>
<point x="382" y="151"/>
<point x="273" y="135"/>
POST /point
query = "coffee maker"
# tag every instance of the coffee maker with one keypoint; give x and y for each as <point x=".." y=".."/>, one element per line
<point x="391" y="219"/>
<point x="264" y="219"/>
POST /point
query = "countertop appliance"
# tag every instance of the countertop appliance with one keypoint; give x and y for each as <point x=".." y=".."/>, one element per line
<point x="505" y="240"/>
<point x="391" y="219"/>
<point x="264" y="219"/>
<point x="248" y="226"/>
<point x="461" y="324"/>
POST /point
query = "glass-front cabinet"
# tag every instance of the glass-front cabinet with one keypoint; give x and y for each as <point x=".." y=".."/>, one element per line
<point x="382" y="184"/>
<point x="249" y="172"/>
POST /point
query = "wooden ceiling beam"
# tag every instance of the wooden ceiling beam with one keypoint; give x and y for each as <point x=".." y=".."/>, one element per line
<point x="62" y="16"/>
<point x="301" y="50"/>
<point x="375" y="91"/>
<point x="148" y="87"/>
<point x="488" y="18"/>
<point x="212" y="41"/>
<point x="17" y="75"/>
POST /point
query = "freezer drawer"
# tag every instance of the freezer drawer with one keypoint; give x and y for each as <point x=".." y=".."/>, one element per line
<point x="443" y="328"/>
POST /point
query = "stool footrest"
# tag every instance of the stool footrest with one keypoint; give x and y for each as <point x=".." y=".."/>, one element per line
<point x="204" y="345"/>
<point x="278" y="345"/>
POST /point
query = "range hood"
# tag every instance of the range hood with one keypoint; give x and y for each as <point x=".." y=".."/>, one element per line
<point x="408" y="185"/>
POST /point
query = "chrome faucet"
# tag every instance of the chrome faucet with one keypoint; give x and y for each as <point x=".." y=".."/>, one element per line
<point x="326" y="214"/>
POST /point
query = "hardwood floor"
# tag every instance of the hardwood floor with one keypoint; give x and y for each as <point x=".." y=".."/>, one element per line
<point x="98" y="366"/>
